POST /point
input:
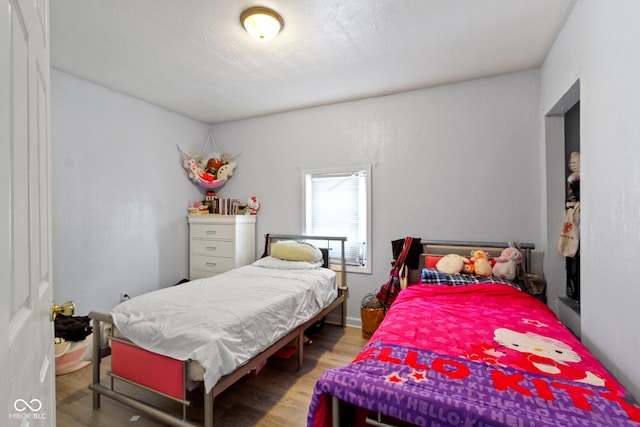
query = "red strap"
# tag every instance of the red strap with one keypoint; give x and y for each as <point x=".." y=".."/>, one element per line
<point x="405" y="251"/>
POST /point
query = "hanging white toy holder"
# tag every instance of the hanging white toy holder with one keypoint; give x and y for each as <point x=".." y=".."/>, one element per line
<point x="210" y="170"/>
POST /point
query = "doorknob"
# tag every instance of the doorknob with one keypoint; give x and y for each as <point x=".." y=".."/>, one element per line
<point x="66" y="309"/>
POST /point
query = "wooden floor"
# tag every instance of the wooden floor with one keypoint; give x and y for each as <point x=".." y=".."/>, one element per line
<point x="278" y="396"/>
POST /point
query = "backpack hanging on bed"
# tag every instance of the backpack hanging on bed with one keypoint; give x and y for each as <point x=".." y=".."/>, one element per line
<point x="389" y="291"/>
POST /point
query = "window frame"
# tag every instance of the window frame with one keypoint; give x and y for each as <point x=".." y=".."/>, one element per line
<point x="365" y="269"/>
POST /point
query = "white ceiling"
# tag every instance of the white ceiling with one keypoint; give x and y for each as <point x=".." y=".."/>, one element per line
<point x="193" y="56"/>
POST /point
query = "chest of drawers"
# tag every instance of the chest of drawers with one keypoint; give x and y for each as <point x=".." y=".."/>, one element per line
<point x="218" y="243"/>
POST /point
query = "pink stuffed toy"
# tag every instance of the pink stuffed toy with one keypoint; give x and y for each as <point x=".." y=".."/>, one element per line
<point x="507" y="263"/>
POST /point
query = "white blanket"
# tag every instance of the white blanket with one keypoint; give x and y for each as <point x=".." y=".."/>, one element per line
<point x="225" y="320"/>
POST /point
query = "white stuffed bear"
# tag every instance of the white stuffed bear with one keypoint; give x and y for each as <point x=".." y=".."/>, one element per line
<point x="506" y="265"/>
<point x="451" y="264"/>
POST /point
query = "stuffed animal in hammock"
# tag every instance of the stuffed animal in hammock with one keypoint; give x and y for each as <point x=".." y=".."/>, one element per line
<point x="226" y="170"/>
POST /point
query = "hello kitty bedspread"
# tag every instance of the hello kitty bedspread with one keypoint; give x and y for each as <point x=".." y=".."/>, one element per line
<point x="480" y="355"/>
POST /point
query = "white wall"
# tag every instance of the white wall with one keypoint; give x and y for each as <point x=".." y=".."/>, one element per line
<point x="598" y="46"/>
<point x="119" y="193"/>
<point x="457" y="162"/>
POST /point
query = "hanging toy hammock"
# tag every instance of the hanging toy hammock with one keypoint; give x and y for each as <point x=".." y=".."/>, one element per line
<point x="210" y="170"/>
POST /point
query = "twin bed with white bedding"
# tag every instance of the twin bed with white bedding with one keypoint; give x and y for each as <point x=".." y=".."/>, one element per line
<point x="215" y="329"/>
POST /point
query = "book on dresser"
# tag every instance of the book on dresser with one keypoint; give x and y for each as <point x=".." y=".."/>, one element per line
<point x="218" y="243"/>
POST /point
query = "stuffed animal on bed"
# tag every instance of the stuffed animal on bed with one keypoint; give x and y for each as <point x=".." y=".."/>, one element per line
<point x="481" y="264"/>
<point x="506" y="266"/>
<point x="468" y="268"/>
<point x="451" y="264"/>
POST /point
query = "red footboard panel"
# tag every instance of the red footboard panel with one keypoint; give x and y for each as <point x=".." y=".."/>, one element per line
<point x="157" y="372"/>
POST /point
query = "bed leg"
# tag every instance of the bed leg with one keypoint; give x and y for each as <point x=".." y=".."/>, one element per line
<point x="97" y="338"/>
<point x="335" y="412"/>
<point x="208" y="408"/>
<point x="343" y="306"/>
<point x="300" y="349"/>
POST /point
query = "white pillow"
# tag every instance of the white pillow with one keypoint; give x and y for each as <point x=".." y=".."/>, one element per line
<point x="294" y="250"/>
<point x="283" y="264"/>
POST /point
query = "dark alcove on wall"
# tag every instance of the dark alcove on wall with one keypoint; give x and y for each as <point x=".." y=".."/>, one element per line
<point x="571" y="144"/>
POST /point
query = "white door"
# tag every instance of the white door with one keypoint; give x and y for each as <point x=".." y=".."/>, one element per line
<point x="26" y="331"/>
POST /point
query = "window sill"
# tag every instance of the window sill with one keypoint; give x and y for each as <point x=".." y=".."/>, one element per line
<point x="352" y="269"/>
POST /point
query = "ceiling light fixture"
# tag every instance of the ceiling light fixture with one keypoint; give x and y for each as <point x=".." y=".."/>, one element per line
<point x="261" y="23"/>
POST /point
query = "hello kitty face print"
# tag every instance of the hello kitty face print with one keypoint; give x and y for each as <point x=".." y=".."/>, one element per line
<point x="544" y="355"/>
<point x="536" y="344"/>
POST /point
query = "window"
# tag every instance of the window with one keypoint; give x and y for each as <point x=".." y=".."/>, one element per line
<point x="337" y="202"/>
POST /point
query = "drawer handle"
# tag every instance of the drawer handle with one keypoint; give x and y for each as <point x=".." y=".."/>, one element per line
<point x="211" y="248"/>
<point x="211" y="264"/>
<point x="211" y="231"/>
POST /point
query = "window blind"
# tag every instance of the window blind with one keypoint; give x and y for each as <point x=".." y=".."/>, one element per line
<point x="338" y="208"/>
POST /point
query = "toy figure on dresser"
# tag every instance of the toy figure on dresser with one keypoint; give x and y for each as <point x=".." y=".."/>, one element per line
<point x="253" y="205"/>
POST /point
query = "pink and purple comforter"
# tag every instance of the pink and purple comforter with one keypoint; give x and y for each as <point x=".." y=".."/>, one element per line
<point x="480" y="355"/>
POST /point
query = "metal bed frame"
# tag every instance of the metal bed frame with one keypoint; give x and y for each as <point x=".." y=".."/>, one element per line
<point x="253" y="365"/>
<point x="439" y="247"/>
